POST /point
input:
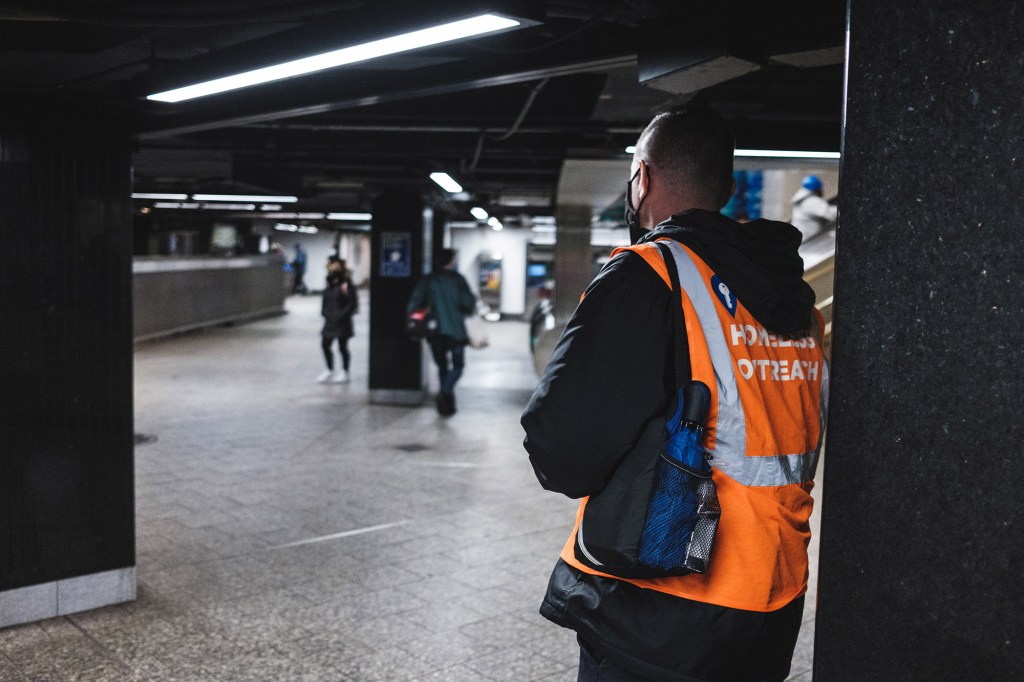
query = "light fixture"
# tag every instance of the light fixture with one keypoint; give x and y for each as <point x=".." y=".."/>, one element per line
<point x="174" y="204"/>
<point x="435" y="35"/>
<point x="244" y="197"/>
<point x="349" y="216"/>
<point x="478" y="213"/>
<point x="446" y="182"/>
<point x="786" y="154"/>
<point x="270" y="207"/>
<point x="286" y="227"/>
<point x="228" y="207"/>
<point x="771" y="153"/>
<point x="495" y="224"/>
<point x="159" y="196"/>
<point x="292" y="216"/>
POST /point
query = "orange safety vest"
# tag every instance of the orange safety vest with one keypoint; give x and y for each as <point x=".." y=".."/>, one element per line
<point x="764" y="432"/>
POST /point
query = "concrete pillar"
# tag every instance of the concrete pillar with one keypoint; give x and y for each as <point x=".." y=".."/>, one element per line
<point x="573" y="264"/>
<point x="920" y="553"/>
<point x="400" y="240"/>
<point x="67" y="540"/>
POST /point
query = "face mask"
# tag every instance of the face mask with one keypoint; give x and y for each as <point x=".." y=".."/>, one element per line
<point x="632" y="213"/>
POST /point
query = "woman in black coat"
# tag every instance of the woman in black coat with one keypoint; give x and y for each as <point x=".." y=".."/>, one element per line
<point x="340" y="302"/>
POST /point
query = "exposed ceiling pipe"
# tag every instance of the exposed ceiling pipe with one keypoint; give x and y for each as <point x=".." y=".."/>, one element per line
<point x="515" y="124"/>
<point x="404" y="128"/>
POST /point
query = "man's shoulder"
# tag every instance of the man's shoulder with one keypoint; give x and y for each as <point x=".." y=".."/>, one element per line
<point x="624" y="260"/>
<point x="626" y="274"/>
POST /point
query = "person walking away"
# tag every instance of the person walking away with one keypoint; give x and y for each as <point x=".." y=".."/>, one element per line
<point x="448" y="297"/>
<point x="812" y="214"/>
<point x="299" y="269"/>
<point x="755" y="340"/>
<point x="340" y="301"/>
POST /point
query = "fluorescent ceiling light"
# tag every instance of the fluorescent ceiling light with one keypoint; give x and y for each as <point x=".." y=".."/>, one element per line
<point x="349" y="216"/>
<point x="446" y="182"/>
<point x="243" y="197"/>
<point x="228" y="207"/>
<point x="523" y="200"/>
<point x="157" y="196"/>
<point x="495" y="224"/>
<point x="771" y="153"/>
<point x="478" y="213"/>
<point x="784" y="154"/>
<point x="293" y="216"/>
<point x="435" y="35"/>
<point x="164" y="204"/>
<point x="270" y="207"/>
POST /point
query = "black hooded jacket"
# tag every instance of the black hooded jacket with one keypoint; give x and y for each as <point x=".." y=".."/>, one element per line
<point x="610" y="373"/>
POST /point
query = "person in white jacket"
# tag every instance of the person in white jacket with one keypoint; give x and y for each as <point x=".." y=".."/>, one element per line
<point x="812" y="214"/>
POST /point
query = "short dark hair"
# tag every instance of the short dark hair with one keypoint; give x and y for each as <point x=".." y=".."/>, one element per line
<point x="691" y="147"/>
<point x="446" y="257"/>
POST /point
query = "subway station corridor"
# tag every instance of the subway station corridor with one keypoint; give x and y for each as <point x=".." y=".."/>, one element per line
<point x="289" y="530"/>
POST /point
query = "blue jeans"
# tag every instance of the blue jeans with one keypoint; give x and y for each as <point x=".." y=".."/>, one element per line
<point x="450" y="357"/>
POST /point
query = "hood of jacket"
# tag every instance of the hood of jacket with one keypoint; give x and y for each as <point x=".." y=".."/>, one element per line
<point x="800" y="195"/>
<point x="758" y="260"/>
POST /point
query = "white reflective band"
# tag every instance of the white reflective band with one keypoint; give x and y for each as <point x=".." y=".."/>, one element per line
<point x="583" y="547"/>
<point x="730" y="452"/>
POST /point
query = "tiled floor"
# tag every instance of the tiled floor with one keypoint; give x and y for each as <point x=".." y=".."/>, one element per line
<point x="288" y="530"/>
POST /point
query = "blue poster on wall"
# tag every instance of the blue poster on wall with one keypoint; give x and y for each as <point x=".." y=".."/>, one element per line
<point x="396" y="254"/>
<point x="745" y="203"/>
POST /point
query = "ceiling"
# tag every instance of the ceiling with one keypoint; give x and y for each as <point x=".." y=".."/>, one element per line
<point x="503" y="114"/>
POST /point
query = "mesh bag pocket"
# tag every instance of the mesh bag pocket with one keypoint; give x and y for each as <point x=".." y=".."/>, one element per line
<point x="682" y="518"/>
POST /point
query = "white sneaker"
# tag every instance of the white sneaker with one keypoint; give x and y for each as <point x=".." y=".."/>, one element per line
<point x="324" y="376"/>
<point x="340" y="377"/>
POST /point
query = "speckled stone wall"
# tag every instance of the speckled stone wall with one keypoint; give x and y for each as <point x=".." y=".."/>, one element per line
<point x="66" y="449"/>
<point x="920" y="548"/>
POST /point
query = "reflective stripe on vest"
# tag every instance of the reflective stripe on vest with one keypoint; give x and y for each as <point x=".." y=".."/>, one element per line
<point x="730" y="448"/>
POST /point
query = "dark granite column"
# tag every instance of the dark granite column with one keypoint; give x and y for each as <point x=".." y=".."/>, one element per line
<point x="920" y="565"/>
<point x="402" y="232"/>
<point x="66" y="448"/>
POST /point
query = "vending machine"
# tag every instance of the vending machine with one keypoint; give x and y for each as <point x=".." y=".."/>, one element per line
<point x="489" y="283"/>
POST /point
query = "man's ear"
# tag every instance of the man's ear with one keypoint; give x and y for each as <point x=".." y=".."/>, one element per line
<point x="643" y="182"/>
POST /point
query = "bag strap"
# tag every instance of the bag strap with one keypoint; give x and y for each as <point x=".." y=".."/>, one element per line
<point x="682" y="347"/>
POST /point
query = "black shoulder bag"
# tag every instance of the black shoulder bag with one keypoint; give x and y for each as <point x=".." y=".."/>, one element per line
<point x="658" y="515"/>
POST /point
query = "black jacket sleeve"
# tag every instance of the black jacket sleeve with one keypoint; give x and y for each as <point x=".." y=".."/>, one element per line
<point x="610" y="373"/>
<point x="353" y="292"/>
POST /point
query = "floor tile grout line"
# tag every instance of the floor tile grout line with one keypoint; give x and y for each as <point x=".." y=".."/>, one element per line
<point x="106" y="652"/>
<point x="343" y="534"/>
